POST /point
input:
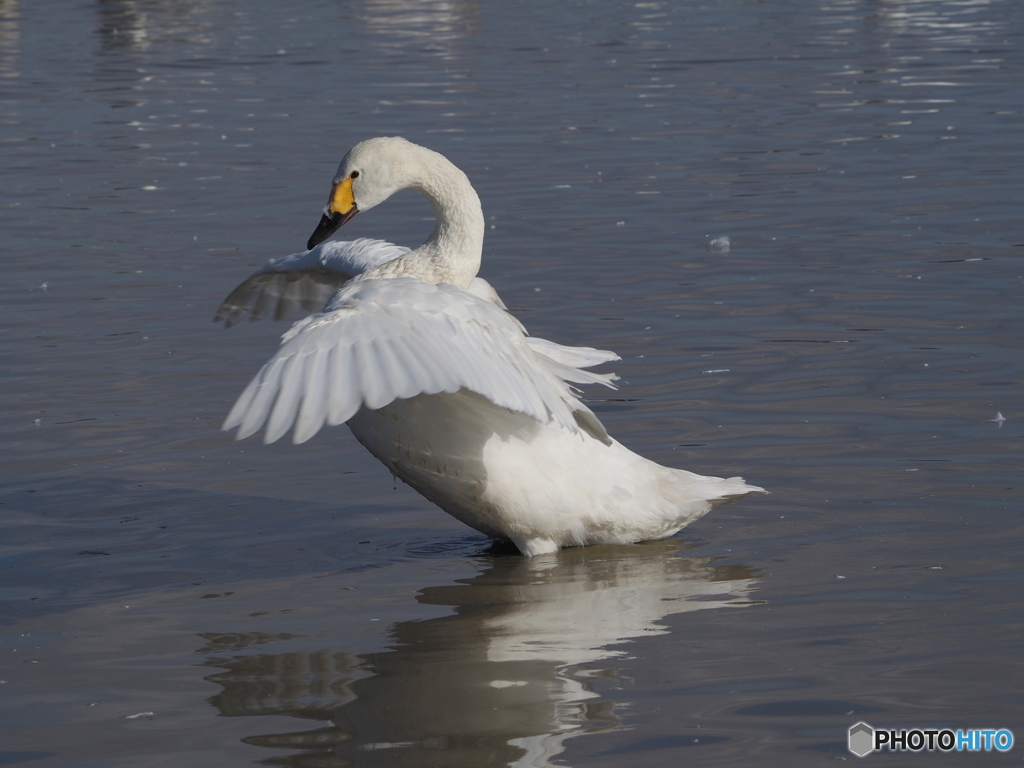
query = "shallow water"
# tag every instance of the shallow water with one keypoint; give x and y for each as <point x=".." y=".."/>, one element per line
<point x="170" y="596"/>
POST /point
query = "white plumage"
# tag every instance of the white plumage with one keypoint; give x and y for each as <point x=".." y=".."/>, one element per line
<point x="439" y="382"/>
<point x="380" y="340"/>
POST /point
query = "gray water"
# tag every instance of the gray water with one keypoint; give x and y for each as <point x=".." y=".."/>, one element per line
<point x="172" y="597"/>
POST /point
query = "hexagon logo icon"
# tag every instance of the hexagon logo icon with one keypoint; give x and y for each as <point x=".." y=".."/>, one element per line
<point x="861" y="739"/>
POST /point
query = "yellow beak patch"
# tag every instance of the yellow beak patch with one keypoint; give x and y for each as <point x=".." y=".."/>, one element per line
<point x="342" y="199"/>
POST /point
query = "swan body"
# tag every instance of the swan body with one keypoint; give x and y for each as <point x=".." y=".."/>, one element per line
<point x="436" y="379"/>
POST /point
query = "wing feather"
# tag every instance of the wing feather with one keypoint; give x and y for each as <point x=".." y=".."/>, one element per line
<point x="378" y="340"/>
<point x="304" y="280"/>
<point x="243" y="403"/>
<point x="291" y="295"/>
<point x="315" y="401"/>
<point x="577" y="357"/>
<point x="283" y="414"/>
<point x="253" y="417"/>
<point x="395" y="371"/>
<point x="263" y="298"/>
<point x="425" y="367"/>
<point x="343" y="392"/>
<point x="375" y="388"/>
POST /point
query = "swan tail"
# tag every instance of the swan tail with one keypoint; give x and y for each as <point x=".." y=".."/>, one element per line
<point x="693" y="496"/>
<point x="732" y="488"/>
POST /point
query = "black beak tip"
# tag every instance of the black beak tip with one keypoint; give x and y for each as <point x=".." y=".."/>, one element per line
<point x="330" y="222"/>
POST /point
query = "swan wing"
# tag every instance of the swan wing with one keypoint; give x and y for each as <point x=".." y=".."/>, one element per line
<point x="303" y="280"/>
<point x="484" y="290"/>
<point x="379" y="340"/>
<point x="568" y="362"/>
<point x="565" y="362"/>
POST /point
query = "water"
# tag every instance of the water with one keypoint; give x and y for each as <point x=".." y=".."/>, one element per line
<point x="288" y="605"/>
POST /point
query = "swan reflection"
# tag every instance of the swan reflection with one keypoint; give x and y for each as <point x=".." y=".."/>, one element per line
<point x="946" y="23"/>
<point x="137" y="24"/>
<point x="440" y="24"/>
<point x="502" y="681"/>
<point x="10" y="38"/>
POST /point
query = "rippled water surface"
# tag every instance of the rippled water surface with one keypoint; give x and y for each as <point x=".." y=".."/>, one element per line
<point x="171" y="597"/>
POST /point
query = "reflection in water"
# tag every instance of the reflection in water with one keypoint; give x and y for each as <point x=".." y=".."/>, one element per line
<point x="504" y="680"/>
<point x="122" y="24"/>
<point x="940" y="24"/>
<point x="433" y="23"/>
<point x="138" y="24"/>
<point x="904" y="76"/>
<point x="949" y="23"/>
<point x="10" y="38"/>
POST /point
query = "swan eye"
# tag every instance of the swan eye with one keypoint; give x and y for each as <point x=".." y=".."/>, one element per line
<point x="354" y="175"/>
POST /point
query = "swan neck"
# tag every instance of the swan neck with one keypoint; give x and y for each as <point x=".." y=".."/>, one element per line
<point x="456" y="244"/>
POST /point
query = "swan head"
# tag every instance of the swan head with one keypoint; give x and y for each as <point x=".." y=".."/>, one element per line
<point x="370" y="173"/>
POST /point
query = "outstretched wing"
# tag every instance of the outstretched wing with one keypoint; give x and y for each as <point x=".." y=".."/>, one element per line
<point x="303" y="280"/>
<point x="381" y="340"/>
<point x="568" y="362"/>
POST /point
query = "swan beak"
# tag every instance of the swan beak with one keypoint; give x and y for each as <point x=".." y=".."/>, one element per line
<point x="340" y="209"/>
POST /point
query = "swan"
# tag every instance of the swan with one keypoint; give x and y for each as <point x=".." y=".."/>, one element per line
<point x="422" y="360"/>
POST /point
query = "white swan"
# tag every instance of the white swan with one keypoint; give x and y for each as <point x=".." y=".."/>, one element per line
<point x="440" y="383"/>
